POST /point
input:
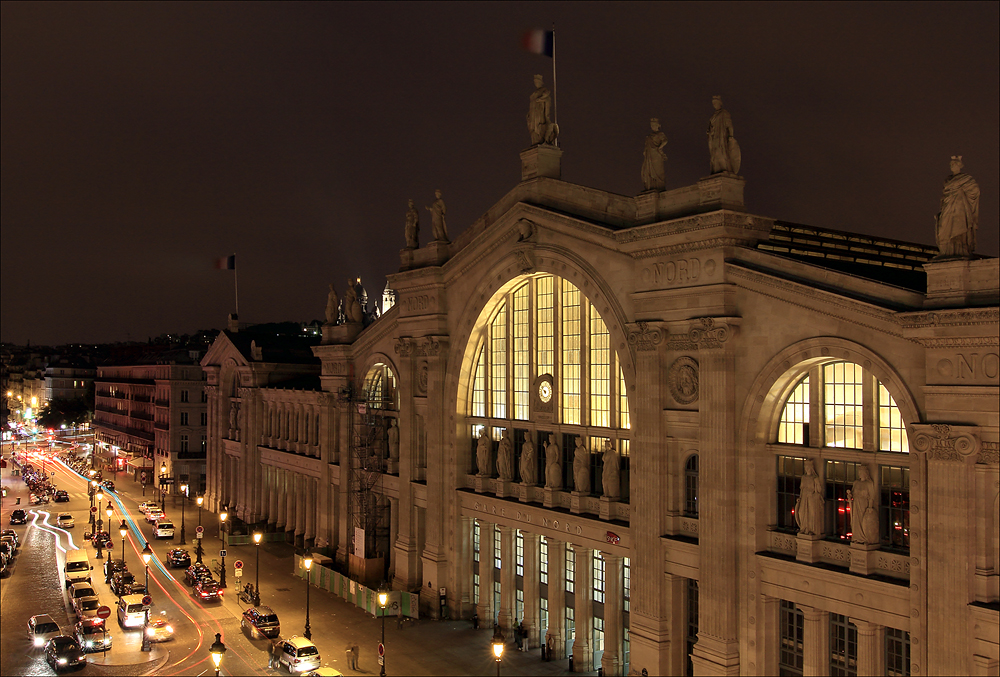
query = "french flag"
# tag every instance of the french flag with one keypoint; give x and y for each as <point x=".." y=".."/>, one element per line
<point x="538" y="42"/>
<point x="226" y="263"/>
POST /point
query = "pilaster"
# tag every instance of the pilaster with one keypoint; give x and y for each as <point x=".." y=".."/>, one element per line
<point x="484" y="607"/>
<point x="555" y="634"/>
<point x="871" y="648"/>
<point x="611" y="660"/>
<point x="532" y="582"/>
<point x="583" y="593"/>
<point x="508" y="590"/>
<point x="815" y="642"/>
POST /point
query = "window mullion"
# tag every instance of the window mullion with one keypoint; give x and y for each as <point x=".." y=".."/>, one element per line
<point x="817" y="428"/>
<point x="869" y="430"/>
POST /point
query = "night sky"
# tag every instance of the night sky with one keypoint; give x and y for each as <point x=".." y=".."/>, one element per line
<point x="141" y="141"/>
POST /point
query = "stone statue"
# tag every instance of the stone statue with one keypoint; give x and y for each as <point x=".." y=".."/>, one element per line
<point x="439" y="226"/>
<point x="611" y="475"/>
<point x="723" y="151"/>
<point x="528" y="466"/>
<point x="505" y="457"/>
<point x="581" y="467"/>
<point x="484" y="454"/>
<point x="540" y="124"/>
<point x="553" y="468"/>
<point x="233" y="411"/>
<point x="332" y="306"/>
<point x="412" y="231"/>
<point x="393" y="436"/>
<point x="809" y="512"/>
<point x="653" y="176"/>
<point x="958" y="219"/>
<point x="863" y="497"/>
<point x="352" y="309"/>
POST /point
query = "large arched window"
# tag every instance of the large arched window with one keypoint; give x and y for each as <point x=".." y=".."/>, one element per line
<point x="380" y="388"/>
<point x="859" y="426"/>
<point x="544" y="366"/>
<point x="691" y="486"/>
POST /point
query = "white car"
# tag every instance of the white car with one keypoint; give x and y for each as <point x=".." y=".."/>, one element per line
<point x="154" y="514"/>
<point x="159" y="630"/>
<point x="41" y="629"/>
<point x="86" y="607"/>
<point x="65" y="521"/>
<point x="146" y="505"/>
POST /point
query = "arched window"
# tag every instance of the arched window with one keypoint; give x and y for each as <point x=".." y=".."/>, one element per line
<point x="380" y="387"/>
<point x="691" y="486"/>
<point x="544" y="365"/>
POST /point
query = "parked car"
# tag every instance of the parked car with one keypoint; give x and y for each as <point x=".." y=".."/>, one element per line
<point x="163" y="529"/>
<point x="102" y="537"/>
<point x="260" y="621"/>
<point x="178" y="558"/>
<point x="12" y="534"/>
<point x="197" y="572"/>
<point x="146" y="505"/>
<point x="41" y="629"/>
<point x="18" y="516"/>
<point x="154" y="514"/>
<point x="64" y="651"/>
<point x="113" y="566"/>
<point x="298" y="654"/>
<point x="61" y="496"/>
<point x="208" y="590"/>
<point x="123" y="583"/>
<point x="81" y="589"/>
<point x="65" y="521"/>
<point x="86" y="607"/>
<point x="92" y="634"/>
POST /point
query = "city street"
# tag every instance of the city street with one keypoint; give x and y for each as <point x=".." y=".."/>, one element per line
<point x="422" y="647"/>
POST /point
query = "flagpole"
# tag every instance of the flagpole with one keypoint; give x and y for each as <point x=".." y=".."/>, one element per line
<point x="236" y="283"/>
<point x="555" y="119"/>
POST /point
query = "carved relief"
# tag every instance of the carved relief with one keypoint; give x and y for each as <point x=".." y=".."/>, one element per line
<point x="682" y="380"/>
<point x="692" y="269"/>
<point x="646" y="338"/>
<point x="422" y="374"/>
<point x="966" y="367"/>
<point x="943" y="442"/>
<point x="525" y="261"/>
<point x="709" y="333"/>
<point x="403" y="347"/>
<point x="989" y="452"/>
<point x="429" y="347"/>
<point x="525" y="229"/>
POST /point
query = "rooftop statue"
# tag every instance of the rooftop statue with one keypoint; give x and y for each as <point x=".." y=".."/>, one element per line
<point x="540" y="124"/>
<point x="958" y="220"/>
<point x="332" y="306"/>
<point x="439" y="225"/>
<point x="723" y="151"/>
<point x="653" y="176"/>
<point x="352" y="308"/>
<point x="412" y="232"/>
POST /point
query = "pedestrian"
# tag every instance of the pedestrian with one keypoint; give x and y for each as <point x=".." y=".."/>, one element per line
<point x="475" y="621"/>
<point x="399" y="619"/>
<point x="349" y="654"/>
<point x="517" y="635"/>
<point x="357" y="653"/>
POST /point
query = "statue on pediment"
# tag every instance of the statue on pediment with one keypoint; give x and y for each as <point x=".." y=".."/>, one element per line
<point x="653" y="176"/>
<point x="439" y="224"/>
<point x="581" y="467"/>
<point x="352" y="308"/>
<point x="958" y="220"/>
<point x="809" y="510"/>
<point x="528" y="467"/>
<point x="412" y="230"/>
<point x="540" y="124"/>
<point x="864" y="500"/>
<point x="332" y="306"/>
<point x="484" y="453"/>
<point x="505" y="457"/>
<point x="611" y="473"/>
<point x="724" y="152"/>
<point x="393" y="435"/>
<point x="553" y="467"/>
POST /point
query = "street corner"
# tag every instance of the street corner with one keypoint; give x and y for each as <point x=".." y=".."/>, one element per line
<point x="140" y="662"/>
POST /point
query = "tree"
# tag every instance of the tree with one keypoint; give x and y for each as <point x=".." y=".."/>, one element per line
<point x="60" y="411"/>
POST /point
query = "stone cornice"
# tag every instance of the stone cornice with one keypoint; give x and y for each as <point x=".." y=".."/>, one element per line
<point x="959" y="317"/>
<point x="959" y="342"/>
<point x="688" y="224"/>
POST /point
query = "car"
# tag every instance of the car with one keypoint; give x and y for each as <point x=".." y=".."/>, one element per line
<point x="108" y="484"/>
<point x="124" y="583"/>
<point x="65" y="521"/>
<point x="41" y="629"/>
<point x="260" y="621"/>
<point x="86" y="607"/>
<point x="298" y="654"/>
<point x="323" y="672"/>
<point x="61" y="496"/>
<point x="153" y="515"/>
<point x="103" y="538"/>
<point x="178" y="558"/>
<point x="82" y="589"/>
<point x="146" y="505"/>
<point x="7" y="550"/>
<point x="113" y="566"/>
<point x="197" y="572"/>
<point x="159" y="630"/>
<point x="12" y="534"/>
<point x="18" y="516"/>
<point x="64" y="651"/>
<point x="131" y="611"/>
<point x="207" y="590"/>
<point x="163" y="528"/>
<point x="10" y="540"/>
<point x="92" y="634"/>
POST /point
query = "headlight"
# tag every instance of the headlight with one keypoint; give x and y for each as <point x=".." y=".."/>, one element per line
<point x="169" y="629"/>
<point x="61" y="661"/>
<point x="39" y="641"/>
<point x="150" y="632"/>
<point x="89" y="643"/>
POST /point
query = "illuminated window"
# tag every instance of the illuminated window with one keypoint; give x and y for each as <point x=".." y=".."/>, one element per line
<point x="543" y="564"/>
<point x="897" y="653"/>
<point x="790" y="472"/>
<point x="624" y="419"/>
<point x="891" y="431"/>
<point x="627" y="582"/>
<point x="794" y="425"/>
<point x="842" y="403"/>
<point x="600" y="371"/>
<point x="497" y="559"/>
<point x="895" y="507"/>
<point x="522" y="367"/>
<point x="843" y="647"/>
<point x="498" y="363"/>
<point x="791" y="625"/>
<point x="479" y="387"/>
<point x="380" y="387"/>
<point x="519" y="553"/>
<point x="599" y="577"/>
<point x="840" y="477"/>
<point x="571" y="367"/>
<point x="570" y="570"/>
<point x="475" y="541"/>
<point x="545" y="302"/>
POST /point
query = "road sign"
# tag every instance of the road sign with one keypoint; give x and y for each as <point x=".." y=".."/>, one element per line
<point x="199" y="535"/>
<point x="238" y="564"/>
<point x="222" y="553"/>
<point x="147" y="600"/>
<point x="143" y="476"/>
<point x="93" y="508"/>
<point x="199" y="529"/>
<point x="238" y="573"/>
<point x="381" y="649"/>
<point x="381" y="660"/>
<point x="104" y="612"/>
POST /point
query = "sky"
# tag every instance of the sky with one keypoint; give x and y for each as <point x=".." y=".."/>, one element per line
<point x="141" y="141"/>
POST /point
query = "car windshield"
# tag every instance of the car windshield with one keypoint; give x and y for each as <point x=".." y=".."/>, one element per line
<point x="164" y="525"/>
<point x="308" y="651"/>
<point x="268" y="619"/>
<point x="90" y="604"/>
<point x="77" y="566"/>
<point x="44" y="628"/>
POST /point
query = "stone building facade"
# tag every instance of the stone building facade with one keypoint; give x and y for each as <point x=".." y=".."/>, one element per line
<point x="672" y="436"/>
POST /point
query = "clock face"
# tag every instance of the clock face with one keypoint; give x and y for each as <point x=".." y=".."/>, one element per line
<point x="545" y="391"/>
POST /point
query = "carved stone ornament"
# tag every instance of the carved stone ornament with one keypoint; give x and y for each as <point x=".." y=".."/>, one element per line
<point x="709" y="333"/>
<point x="403" y="347"/>
<point x="525" y="261"/>
<point x="422" y="373"/>
<point x="429" y="347"/>
<point x="646" y="338"/>
<point x="525" y="229"/>
<point x="989" y="452"/>
<point x="682" y="380"/>
<point x="943" y="442"/>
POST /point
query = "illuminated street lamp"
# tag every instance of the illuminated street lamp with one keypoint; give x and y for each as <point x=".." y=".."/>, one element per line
<point x="147" y="554"/>
<point x="99" y="497"/>
<point x="498" y="640"/>
<point x="218" y="650"/>
<point x="383" y="597"/>
<point x="163" y="476"/>
<point x="199" y="500"/>
<point x="257" y="536"/>
<point x="123" y="530"/>
<point x="222" y="533"/>
<point x="184" y="491"/>
<point x="307" y="563"/>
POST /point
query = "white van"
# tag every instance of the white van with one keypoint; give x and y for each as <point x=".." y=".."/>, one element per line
<point x="131" y="612"/>
<point x="163" y="529"/>
<point x="77" y="569"/>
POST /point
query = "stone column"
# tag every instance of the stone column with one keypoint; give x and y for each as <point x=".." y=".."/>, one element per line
<point x="281" y="498"/>
<point x="291" y="502"/>
<point x="461" y="602"/>
<point x="311" y="508"/>
<point x="717" y="651"/>
<point x="871" y="648"/>
<point x="555" y="634"/>
<point x="770" y="633"/>
<point x="532" y="581"/>
<point x="393" y="534"/>
<point x="815" y="642"/>
<point x="674" y="623"/>
<point x="273" y="491"/>
<point x="614" y="583"/>
<point x="300" y="504"/>
<point x="484" y="608"/>
<point x="508" y="584"/>
<point x="583" y="647"/>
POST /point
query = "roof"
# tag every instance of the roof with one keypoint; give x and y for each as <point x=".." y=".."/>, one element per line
<point x="273" y="346"/>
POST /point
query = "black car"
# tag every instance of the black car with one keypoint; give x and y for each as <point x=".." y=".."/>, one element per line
<point x="63" y="652"/>
<point x="208" y="590"/>
<point x="108" y="484"/>
<point x="124" y="583"/>
<point x="12" y="533"/>
<point x="260" y="621"/>
<point x="113" y="566"/>
<point x="178" y="559"/>
<point x="61" y="496"/>
<point x="18" y="516"/>
<point x="197" y="572"/>
<point x="102" y="537"/>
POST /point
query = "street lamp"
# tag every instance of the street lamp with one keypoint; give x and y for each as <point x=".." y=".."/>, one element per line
<point x="383" y="597"/>
<point x="200" y="500"/>
<point x="91" y="490"/>
<point x="307" y="563"/>
<point x="498" y="646"/>
<point x="257" y="536"/>
<point x="222" y="524"/>
<point x="147" y="554"/>
<point x="218" y="650"/>
<point x="123" y="530"/>
<point x="184" y="490"/>
<point x="99" y="497"/>
<point x="163" y="475"/>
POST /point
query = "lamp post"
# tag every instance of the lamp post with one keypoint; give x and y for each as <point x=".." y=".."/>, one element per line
<point x="383" y="597"/>
<point x="307" y="563"/>
<point x="222" y="533"/>
<point x="99" y="497"/>
<point x="163" y="476"/>
<point x="218" y="650"/>
<point x="498" y="640"/>
<point x="147" y="554"/>
<point x="123" y="530"/>
<point x="184" y="492"/>
<point x="90" y="492"/>
<point x="257" y="536"/>
<point x="200" y="500"/>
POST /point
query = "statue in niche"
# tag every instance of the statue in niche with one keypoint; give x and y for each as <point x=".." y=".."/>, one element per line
<point x="412" y="230"/>
<point x="439" y="225"/>
<point x="809" y="508"/>
<point x="611" y="474"/>
<point x="505" y="457"/>
<point x="393" y="435"/>
<point x="332" y="306"/>
<point x="553" y="468"/>
<point x="352" y="308"/>
<point x="528" y="460"/>
<point x="863" y="498"/>
<point x="581" y="467"/>
<point x="484" y="453"/>
<point x="723" y="151"/>
<point x="233" y="412"/>
<point x="653" y="176"/>
<point x="540" y="124"/>
<point x="958" y="220"/>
